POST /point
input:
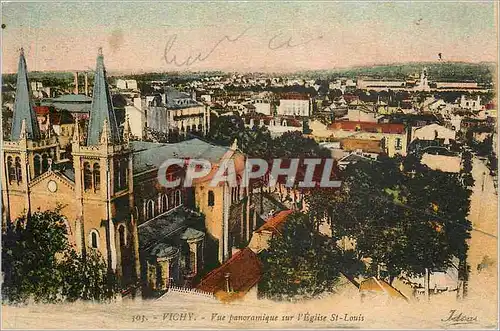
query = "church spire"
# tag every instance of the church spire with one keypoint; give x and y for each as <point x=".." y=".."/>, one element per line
<point x="23" y="105"/>
<point x="102" y="107"/>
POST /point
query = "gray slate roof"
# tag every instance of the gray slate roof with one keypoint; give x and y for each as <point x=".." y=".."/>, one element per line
<point x="149" y="155"/>
<point x="102" y="107"/>
<point x="23" y="105"/>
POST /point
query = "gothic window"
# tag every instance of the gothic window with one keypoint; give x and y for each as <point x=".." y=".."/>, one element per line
<point x="123" y="173"/>
<point x="94" y="238"/>
<point x="11" y="171"/>
<point x="45" y="163"/>
<point x="96" y="171"/>
<point x="150" y="209"/>
<point x="164" y="203"/>
<point x="178" y="199"/>
<point x="87" y="176"/>
<point x="211" y="198"/>
<point x="38" y="165"/>
<point x="19" y="174"/>
<point x="121" y="235"/>
<point x="116" y="172"/>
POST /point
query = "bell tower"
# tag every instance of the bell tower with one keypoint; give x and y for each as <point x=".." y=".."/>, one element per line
<point x="27" y="153"/>
<point x="102" y="161"/>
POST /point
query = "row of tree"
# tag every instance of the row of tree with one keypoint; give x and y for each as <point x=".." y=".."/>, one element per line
<point x="39" y="264"/>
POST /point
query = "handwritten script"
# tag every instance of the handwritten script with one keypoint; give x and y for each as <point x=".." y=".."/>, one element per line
<point x="456" y="317"/>
<point x="190" y="60"/>
<point x="278" y="41"/>
<point x="288" y="42"/>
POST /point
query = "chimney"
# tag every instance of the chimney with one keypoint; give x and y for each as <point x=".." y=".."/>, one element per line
<point x="227" y="276"/>
<point x="76" y="83"/>
<point x="86" y="83"/>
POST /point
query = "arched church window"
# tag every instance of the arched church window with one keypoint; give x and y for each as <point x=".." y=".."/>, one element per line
<point x="19" y="173"/>
<point x="150" y="209"/>
<point x="87" y="176"/>
<point x="123" y="173"/>
<point x="116" y="174"/>
<point x="45" y="163"/>
<point x="94" y="238"/>
<point x="122" y="235"/>
<point x="38" y="165"/>
<point x="11" y="171"/>
<point x="96" y="172"/>
<point x="164" y="203"/>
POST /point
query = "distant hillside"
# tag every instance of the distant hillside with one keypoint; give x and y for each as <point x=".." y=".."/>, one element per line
<point x="437" y="71"/>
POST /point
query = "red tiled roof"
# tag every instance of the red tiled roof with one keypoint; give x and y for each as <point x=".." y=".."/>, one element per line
<point x="275" y="223"/>
<point x="367" y="127"/>
<point x="366" y="145"/>
<point x="245" y="271"/>
<point x="41" y="110"/>
<point x="294" y="96"/>
<point x="490" y="106"/>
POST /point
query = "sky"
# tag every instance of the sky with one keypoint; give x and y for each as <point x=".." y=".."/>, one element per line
<point x="244" y="36"/>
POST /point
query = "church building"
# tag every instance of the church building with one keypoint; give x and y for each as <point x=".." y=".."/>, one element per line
<point x="106" y="186"/>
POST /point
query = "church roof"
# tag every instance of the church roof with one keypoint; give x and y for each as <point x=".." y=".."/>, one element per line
<point x="102" y="107"/>
<point x="168" y="229"/>
<point x="152" y="155"/>
<point x="23" y="105"/>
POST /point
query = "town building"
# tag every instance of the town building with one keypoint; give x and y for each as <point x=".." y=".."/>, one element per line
<point x="170" y="112"/>
<point x="392" y="137"/>
<point x="126" y="84"/>
<point x="380" y="85"/>
<point x="294" y="104"/>
<point x="470" y="103"/>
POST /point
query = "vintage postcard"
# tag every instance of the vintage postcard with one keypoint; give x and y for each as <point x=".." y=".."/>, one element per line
<point x="249" y="165"/>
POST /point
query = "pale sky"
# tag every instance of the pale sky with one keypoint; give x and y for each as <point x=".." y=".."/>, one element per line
<point x="134" y="35"/>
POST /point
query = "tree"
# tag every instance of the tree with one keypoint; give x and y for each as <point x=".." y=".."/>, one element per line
<point x="38" y="263"/>
<point x="29" y="258"/>
<point x="466" y="170"/>
<point x="300" y="263"/>
<point x="293" y="144"/>
<point x="86" y="277"/>
<point x="403" y="221"/>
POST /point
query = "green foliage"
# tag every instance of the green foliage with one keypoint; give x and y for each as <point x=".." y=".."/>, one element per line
<point x="466" y="171"/>
<point x="294" y="145"/>
<point x="404" y="220"/>
<point x="86" y="277"/>
<point x="29" y="258"/>
<point x="38" y="263"/>
<point x="300" y="263"/>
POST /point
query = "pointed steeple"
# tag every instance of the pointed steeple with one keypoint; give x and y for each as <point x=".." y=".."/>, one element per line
<point x="23" y="106"/>
<point x="102" y="107"/>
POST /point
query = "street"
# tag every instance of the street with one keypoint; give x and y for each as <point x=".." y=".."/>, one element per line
<point x="483" y="245"/>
